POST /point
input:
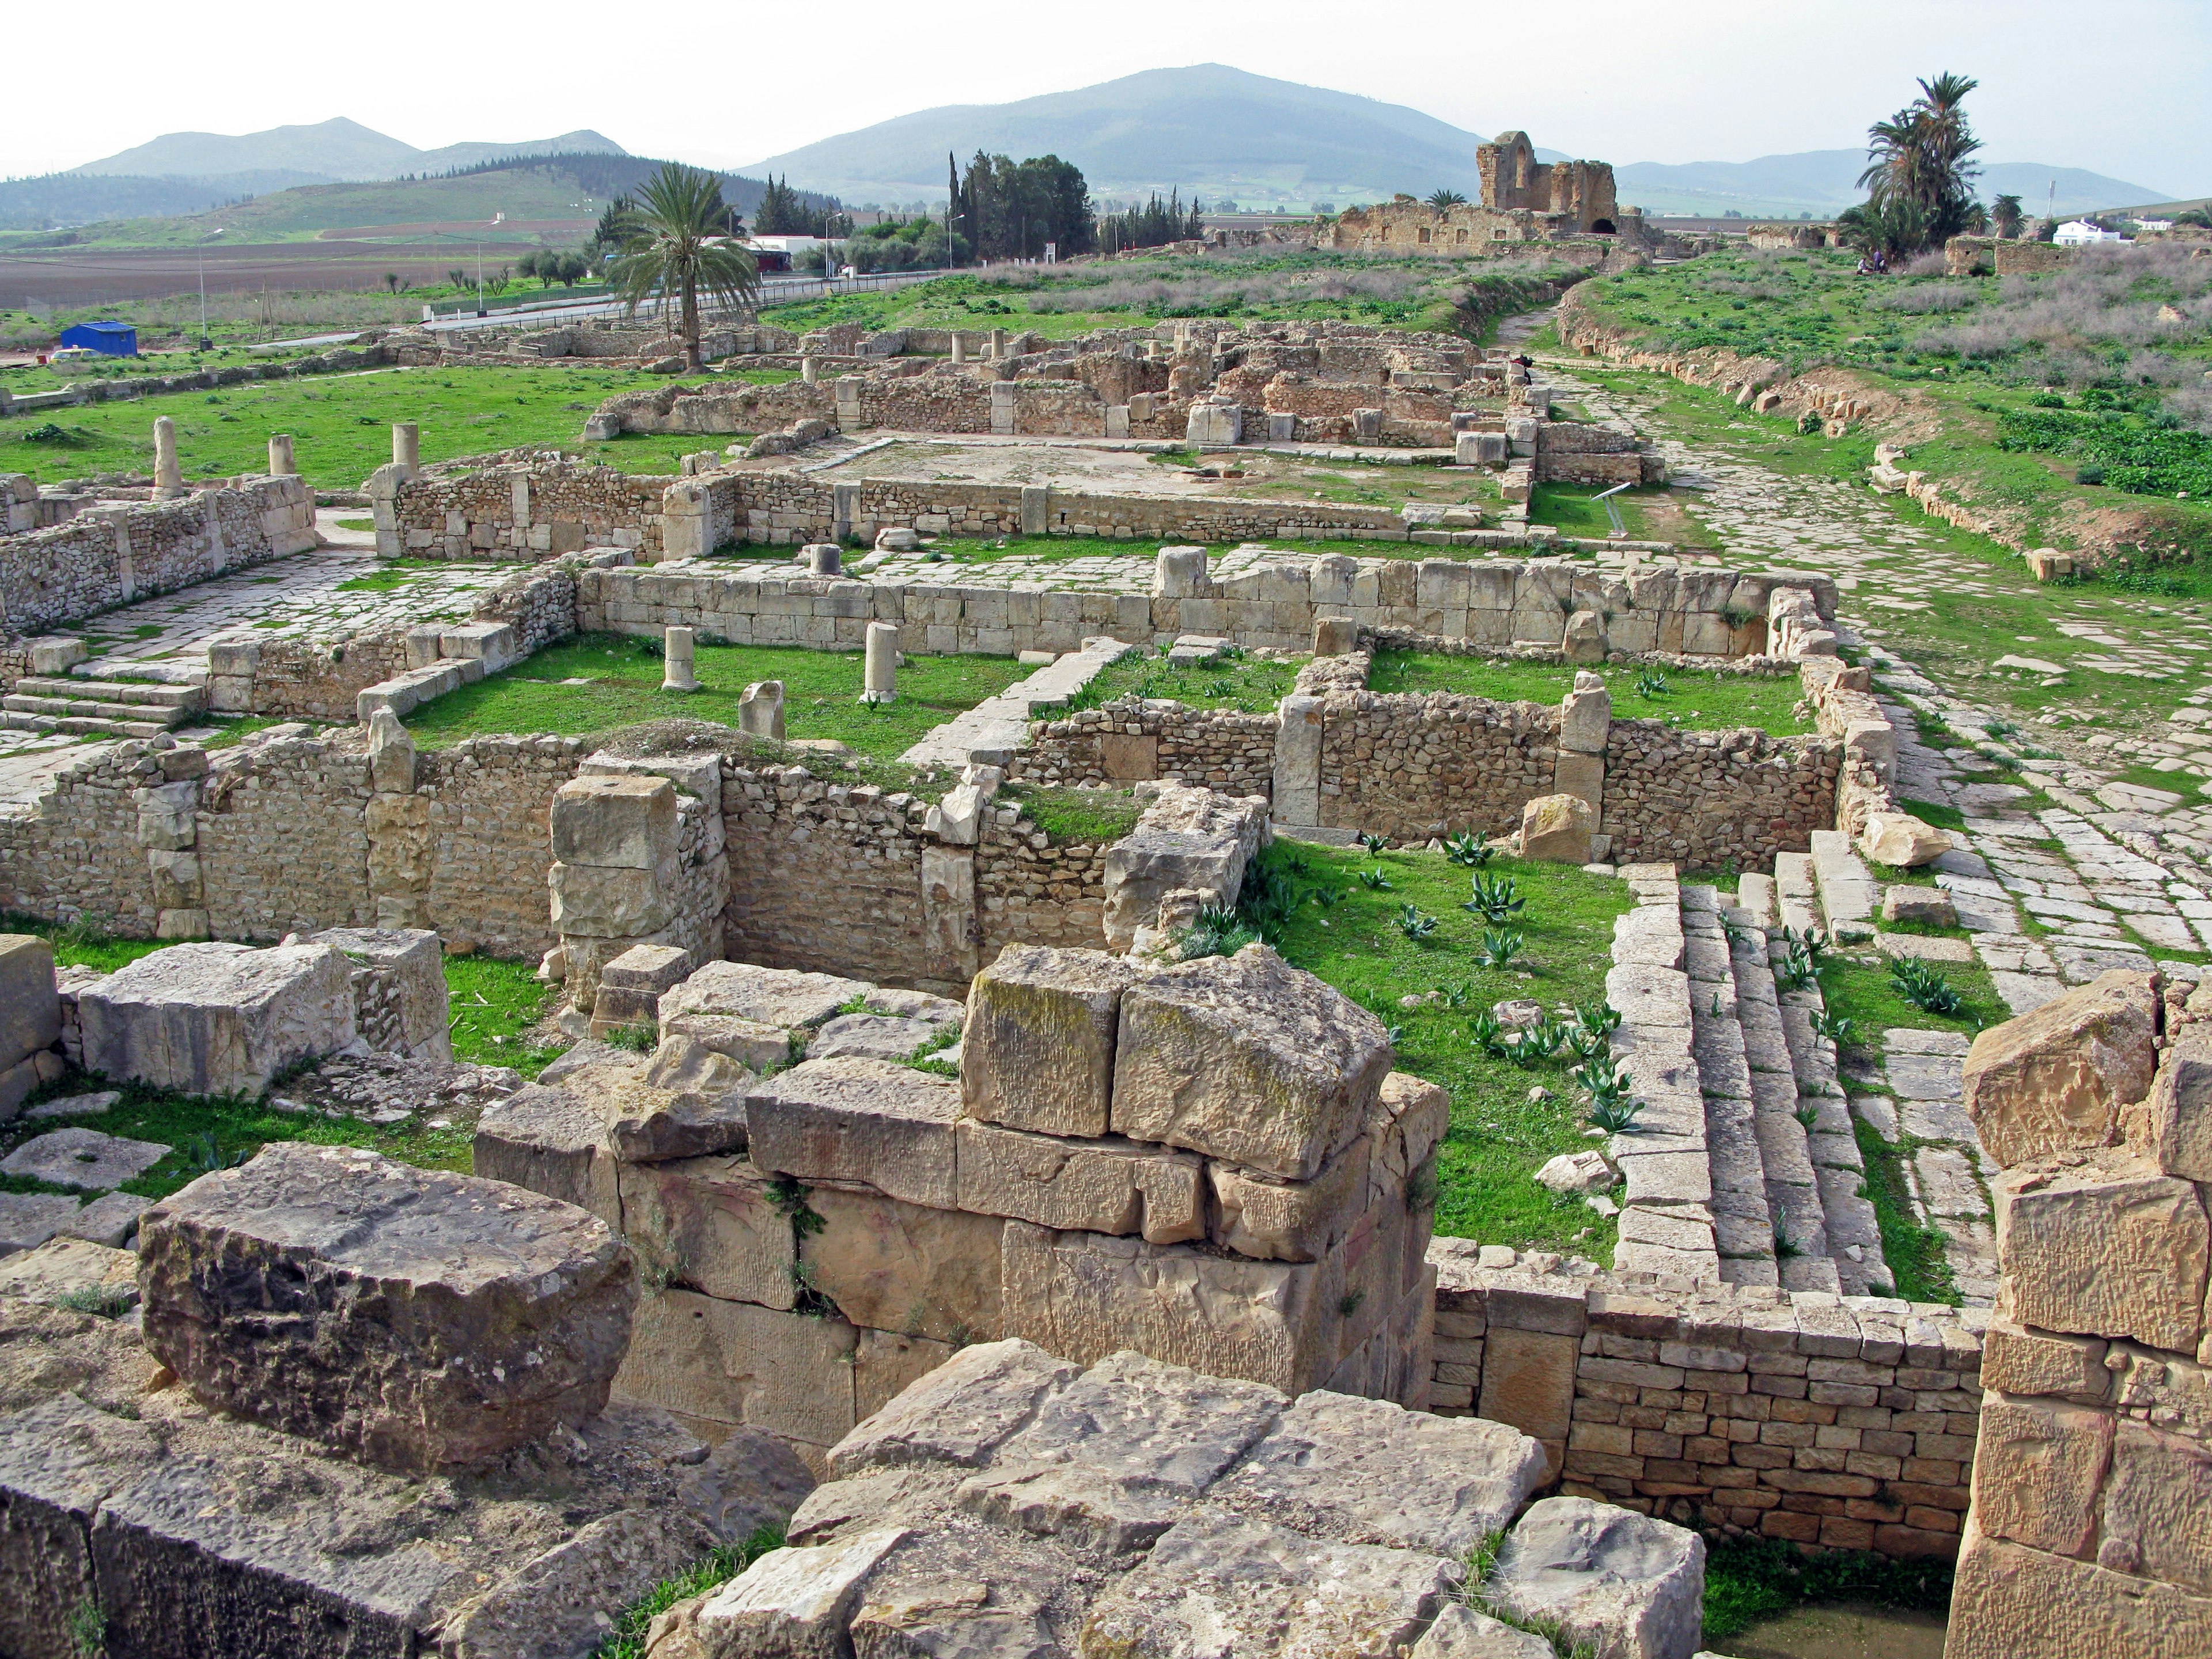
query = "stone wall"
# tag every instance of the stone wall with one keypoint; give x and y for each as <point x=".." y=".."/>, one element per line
<point x="2090" y="1534"/>
<point x="1705" y="798"/>
<point x="1839" y="1422"/>
<point x="530" y="510"/>
<point x="1411" y="766"/>
<point x="109" y="555"/>
<point x="74" y="852"/>
<point x="1132" y="739"/>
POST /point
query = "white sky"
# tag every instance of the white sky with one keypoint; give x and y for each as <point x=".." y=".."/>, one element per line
<point x="2116" y="86"/>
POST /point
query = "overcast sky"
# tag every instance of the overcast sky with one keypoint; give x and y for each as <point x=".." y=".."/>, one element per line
<point x="2116" y="86"/>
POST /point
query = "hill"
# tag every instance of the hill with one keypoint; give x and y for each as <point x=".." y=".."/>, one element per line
<point x="329" y="151"/>
<point x="1207" y="129"/>
<point x="1823" y="182"/>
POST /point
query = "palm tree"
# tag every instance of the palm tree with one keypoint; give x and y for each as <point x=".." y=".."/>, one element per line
<point x="1919" y="177"/>
<point x="680" y="224"/>
<point x="1441" y="199"/>
<point x="2005" y="215"/>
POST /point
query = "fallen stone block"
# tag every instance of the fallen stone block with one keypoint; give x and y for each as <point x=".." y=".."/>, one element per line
<point x="1557" y="829"/>
<point x="1369" y="1472"/>
<point x="109" y="1219"/>
<point x="1038" y="1048"/>
<point x="959" y="1414"/>
<point x="552" y="1141"/>
<point x="30" y="1007"/>
<point x="1626" y="1584"/>
<point x="217" y="1019"/>
<point x="71" y="1271"/>
<point x="559" y="1602"/>
<point x="29" y="1219"/>
<point x="2056" y="1079"/>
<point x="1901" y="840"/>
<point x="426" y="1321"/>
<point x="797" y="1602"/>
<point x="1200" y="1043"/>
<point x="888" y="1126"/>
<point x="85" y="1160"/>
<point x="871" y="1036"/>
<point x="755" y="1046"/>
<point x="780" y="997"/>
<point x="1221" y="1583"/>
<point x="400" y="1003"/>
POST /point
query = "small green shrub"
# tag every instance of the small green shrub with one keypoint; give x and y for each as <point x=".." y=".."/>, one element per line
<point x="1495" y="898"/>
<point x="1926" y="986"/>
<point x="1499" y="946"/>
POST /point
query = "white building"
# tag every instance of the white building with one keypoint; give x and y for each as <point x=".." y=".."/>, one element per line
<point x="2077" y="232"/>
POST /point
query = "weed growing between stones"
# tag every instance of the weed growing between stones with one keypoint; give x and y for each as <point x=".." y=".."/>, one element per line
<point x="713" y="1571"/>
<point x="1917" y="1254"/>
<point x="1926" y="987"/>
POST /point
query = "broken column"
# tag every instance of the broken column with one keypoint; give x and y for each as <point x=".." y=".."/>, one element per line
<point x="823" y="559"/>
<point x="281" y="462"/>
<point x="881" y="670"/>
<point x="168" y="476"/>
<point x="760" y="710"/>
<point x="615" y="872"/>
<point x="430" y="1321"/>
<point x="959" y="346"/>
<point x="407" y="448"/>
<point x="1585" y="725"/>
<point x="676" y="673"/>
<point x="809" y="369"/>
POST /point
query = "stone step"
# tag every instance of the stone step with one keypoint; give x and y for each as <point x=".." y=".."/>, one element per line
<point x="155" y="719"/>
<point x="1847" y="889"/>
<point x="1793" y="1191"/>
<point x="17" y="720"/>
<point x="130" y="691"/>
<point x="1743" y="1230"/>
<point x="1853" y="1238"/>
<point x="993" y="729"/>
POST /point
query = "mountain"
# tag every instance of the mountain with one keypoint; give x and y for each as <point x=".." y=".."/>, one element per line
<point x="330" y="150"/>
<point x="1207" y="129"/>
<point x="1823" y="182"/>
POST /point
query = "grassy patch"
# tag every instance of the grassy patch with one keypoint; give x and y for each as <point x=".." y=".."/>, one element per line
<point x="1498" y="1134"/>
<point x="1935" y="813"/>
<point x="822" y="691"/>
<point x="343" y="424"/>
<point x="1747" y="1580"/>
<point x="1252" y="684"/>
<point x="493" y="1002"/>
<point x="82" y="944"/>
<point x="1916" y="1254"/>
<point x="1087" y="817"/>
<point x="1859" y="987"/>
<point x="1686" y="698"/>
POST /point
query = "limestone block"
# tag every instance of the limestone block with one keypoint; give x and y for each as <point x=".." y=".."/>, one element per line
<point x="1087" y="1295"/>
<point x="734" y="1362"/>
<point x="2111" y="1248"/>
<point x="2156" y="1522"/>
<point x="2038" y="1467"/>
<point x="870" y="1036"/>
<point x="1335" y="637"/>
<point x="391" y="755"/>
<point x="896" y="1266"/>
<point x="551" y="1141"/>
<point x="30" y="1007"/>
<point x="1586" y="717"/>
<point x="780" y="997"/>
<point x="67" y="1266"/>
<point x="2008" y="1602"/>
<point x="2056" y="1079"/>
<point x="755" y="1046"/>
<point x="1201" y="1042"/>
<point x="1585" y="640"/>
<point x="1626" y="1584"/>
<point x="887" y="1363"/>
<point x="1529" y="1382"/>
<point x="1037" y="1049"/>
<point x="1369" y="1472"/>
<point x="858" y="1119"/>
<point x="401" y="1004"/>
<point x="648" y="969"/>
<point x="688" y="1103"/>
<point x="797" y="1602"/>
<point x="1558" y="829"/>
<point x="711" y="1225"/>
<point x="1582" y="776"/>
<point x="430" y="1321"/>
<point x="620" y="822"/>
<point x="1460" y="1632"/>
<point x="1106" y="1186"/>
<point x="2016" y="1360"/>
<point x="1221" y="1584"/>
<point x="612" y="902"/>
<point x="217" y="1019"/>
<point x="85" y="1160"/>
<point x="2176" y="1121"/>
<point x="960" y="1413"/>
<point x="1272" y="1219"/>
<point x="1901" y="840"/>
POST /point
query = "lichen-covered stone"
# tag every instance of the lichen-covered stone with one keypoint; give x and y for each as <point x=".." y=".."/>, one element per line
<point x="1037" y="1049"/>
<point x="2056" y="1079"/>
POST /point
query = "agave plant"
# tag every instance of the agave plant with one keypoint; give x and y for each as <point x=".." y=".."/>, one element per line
<point x="1600" y="1017"/>
<point x="1487" y="1035"/>
<point x="1495" y="898"/>
<point x="1603" y="1081"/>
<point x="1471" y="849"/>
<point x="1651" y="683"/>
<point x="1373" y="843"/>
<point x="1585" y="1044"/>
<point x="1374" y="879"/>
<point x="1327" y="896"/>
<point x="1926" y="986"/>
<point x="1415" y="924"/>
<point x="1839" y="1029"/>
<point x="1499" y="948"/>
<point x="1615" y="1117"/>
<point x="1539" y="1041"/>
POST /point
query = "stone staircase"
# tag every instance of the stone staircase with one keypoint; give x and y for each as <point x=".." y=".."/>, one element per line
<point x="118" y="708"/>
<point x="1742" y="1168"/>
<point x="992" y="731"/>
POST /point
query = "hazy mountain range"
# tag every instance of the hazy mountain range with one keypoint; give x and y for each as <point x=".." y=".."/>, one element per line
<point x="326" y="153"/>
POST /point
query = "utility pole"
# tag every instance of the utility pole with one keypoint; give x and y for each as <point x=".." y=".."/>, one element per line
<point x="204" y="341"/>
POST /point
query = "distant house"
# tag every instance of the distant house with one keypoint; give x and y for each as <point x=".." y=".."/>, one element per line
<point x="2076" y="233"/>
<point x="2154" y="224"/>
<point x="110" y="339"/>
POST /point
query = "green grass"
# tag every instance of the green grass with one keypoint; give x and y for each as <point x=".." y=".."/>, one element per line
<point x="1747" y="1580"/>
<point x="1252" y="684"/>
<point x="1935" y="813"/>
<point x="628" y="1639"/>
<point x="1498" y="1136"/>
<point x="493" y="1001"/>
<point x="1692" y="700"/>
<point x="1858" y="986"/>
<point x="343" y="424"/>
<point x="1088" y="817"/>
<point x="1575" y="510"/>
<point x="1916" y="1254"/>
<point x="822" y="692"/>
<point x="82" y="944"/>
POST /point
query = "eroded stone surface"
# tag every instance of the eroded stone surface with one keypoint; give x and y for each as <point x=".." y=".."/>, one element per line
<point x="416" y="1319"/>
<point x="2056" y="1079"/>
<point x="217" y="1019"/>
<point x="1626" y="1583"/>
